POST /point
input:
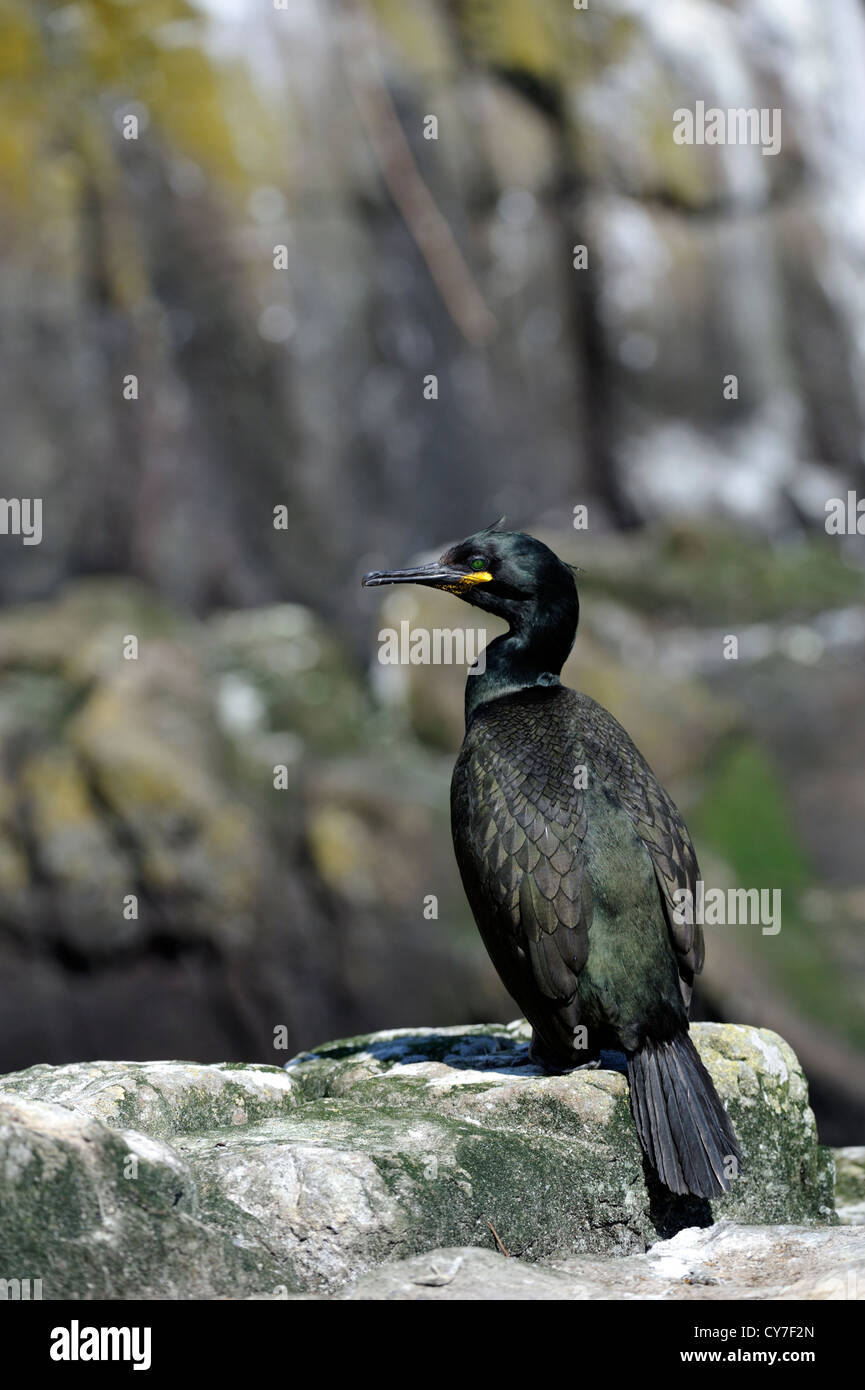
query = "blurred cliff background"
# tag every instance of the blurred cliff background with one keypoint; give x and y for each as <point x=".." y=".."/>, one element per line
<point x="281" y="257"/>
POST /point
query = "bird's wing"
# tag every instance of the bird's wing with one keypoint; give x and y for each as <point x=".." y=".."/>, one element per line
<point x="519" y="826"/>
<point x="627" y="775"/>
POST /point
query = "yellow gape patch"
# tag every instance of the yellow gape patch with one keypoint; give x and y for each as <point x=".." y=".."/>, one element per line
<point x="482" y="577"/>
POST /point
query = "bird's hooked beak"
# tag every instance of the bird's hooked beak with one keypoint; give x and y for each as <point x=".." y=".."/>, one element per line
<point x="438" y="575"/>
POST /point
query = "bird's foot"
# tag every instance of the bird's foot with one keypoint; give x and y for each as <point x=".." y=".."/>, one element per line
<point x="539" y="1058"/>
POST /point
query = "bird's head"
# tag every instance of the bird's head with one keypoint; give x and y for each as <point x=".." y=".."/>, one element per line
<point x="507" y="573"/>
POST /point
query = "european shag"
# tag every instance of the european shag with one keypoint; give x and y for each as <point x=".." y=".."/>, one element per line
<point x="571" y="853"/>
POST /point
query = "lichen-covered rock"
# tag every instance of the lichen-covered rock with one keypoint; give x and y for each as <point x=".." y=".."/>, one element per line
<point x="850" y="1185"/>
<point x="168" y="1179"/>
<point x="162" y="1099"/>
<point x="95" y="1212"/>
<point x="580" y="1124"/>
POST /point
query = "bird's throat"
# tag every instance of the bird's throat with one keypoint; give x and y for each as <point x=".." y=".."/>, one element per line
<point x="529" y="654"/>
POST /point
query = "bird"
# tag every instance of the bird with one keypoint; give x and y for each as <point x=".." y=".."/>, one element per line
<point x="574" y="860"/>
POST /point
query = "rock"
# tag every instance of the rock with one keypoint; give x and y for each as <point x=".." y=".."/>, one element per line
<point x="574" y="1134"/>
<point x="168" y="1179"/>
<point x="726" y="1261"/>
<point x="108" y="1213"/>
<point x="699" y="256"/>
<point x="160" y="895"/>
<point x="162" y="1099"/>
<point x="463" y="1272"/>
<point x="850" y="1185"/>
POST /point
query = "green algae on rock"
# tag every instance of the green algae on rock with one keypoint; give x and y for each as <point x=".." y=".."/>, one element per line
<point x="850" y="1185"/>
<point x="175" y="1180"/>
<point x="482" y="1074"/>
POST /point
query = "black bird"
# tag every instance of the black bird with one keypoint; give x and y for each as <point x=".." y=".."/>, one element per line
<point x="571" y="853"/>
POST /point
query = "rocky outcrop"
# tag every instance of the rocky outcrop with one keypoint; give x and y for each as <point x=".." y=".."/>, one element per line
<point x="724" y="1261"/>
<point x="160" y="895"/>
<point x="850" y="1185"/>
<point x="131" y="1180"/>
<point x="702" y="260"/>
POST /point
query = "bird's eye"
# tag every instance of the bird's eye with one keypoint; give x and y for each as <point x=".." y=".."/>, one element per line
<point x="478" y="563"/>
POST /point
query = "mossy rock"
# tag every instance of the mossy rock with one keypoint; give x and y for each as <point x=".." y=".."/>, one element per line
<point x="169" y="1179"/>
<point x="850" y="1185"/>
<point x="483" y="1075"/>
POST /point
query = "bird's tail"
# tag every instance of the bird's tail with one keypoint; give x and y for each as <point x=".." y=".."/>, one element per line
<point x="683" y="1127"/>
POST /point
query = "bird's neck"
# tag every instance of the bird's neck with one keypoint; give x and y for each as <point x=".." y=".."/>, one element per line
<point x="531" y="653"/>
